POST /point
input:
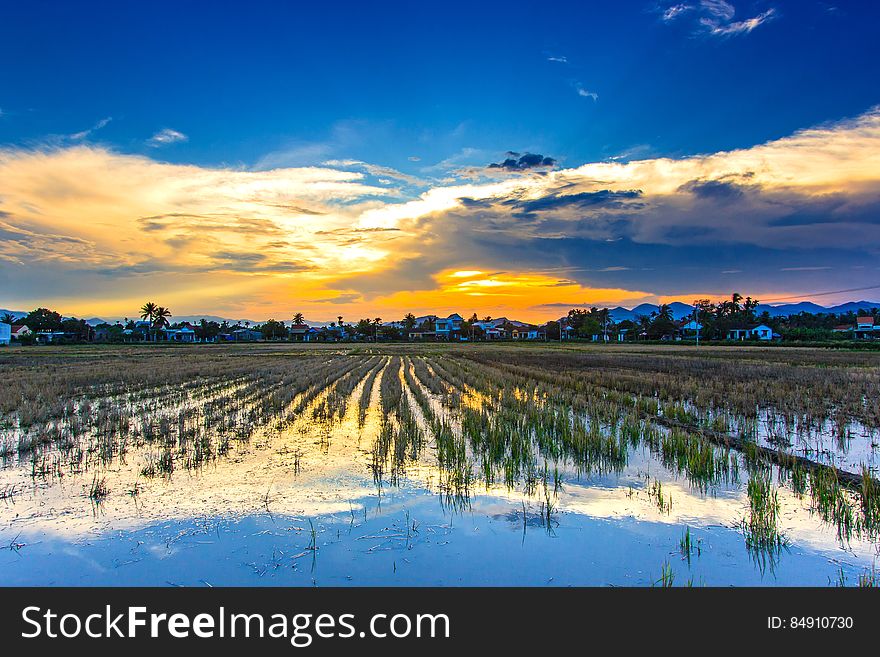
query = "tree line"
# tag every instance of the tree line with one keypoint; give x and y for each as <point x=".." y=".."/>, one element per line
<point x="715" y="320"/>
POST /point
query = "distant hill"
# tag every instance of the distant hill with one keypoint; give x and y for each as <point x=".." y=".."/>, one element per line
<point x="680" y="310"/>
<point x="17" y="313"/>
<point x="784" y="310"/>
<point x="790" y="308"/>
<point x="853" y="306"/>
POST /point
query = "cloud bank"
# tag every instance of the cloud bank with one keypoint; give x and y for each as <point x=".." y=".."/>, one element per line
<point x="92" y="230"/>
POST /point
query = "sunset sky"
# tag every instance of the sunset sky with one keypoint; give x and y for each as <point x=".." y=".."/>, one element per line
<point x="253" y="160"/>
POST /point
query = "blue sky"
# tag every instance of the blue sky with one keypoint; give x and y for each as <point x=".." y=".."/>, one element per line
<point x="410" y="103"/>
<point x="429" y="80"/>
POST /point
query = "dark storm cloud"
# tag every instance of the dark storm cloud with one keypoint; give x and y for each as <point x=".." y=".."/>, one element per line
<point x="604" y="198"/>
<point x="524" y="162"/>
<point x="713" y="189"/>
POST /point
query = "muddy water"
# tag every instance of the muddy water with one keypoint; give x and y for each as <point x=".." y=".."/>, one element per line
<point x="299" y="504"/>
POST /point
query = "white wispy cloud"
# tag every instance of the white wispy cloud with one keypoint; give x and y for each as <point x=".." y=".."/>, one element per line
<point x="720" y="9"/>
<point x="673" y="12"/>
<point x="559" y="59"/>
<point x="76" y="136"/>
<point x="716" y="17"/>
<point x="717" y="28"/>
<point x="167" y="136"/>
<point x="377" y="171"/>
<point x="585" y="93"/>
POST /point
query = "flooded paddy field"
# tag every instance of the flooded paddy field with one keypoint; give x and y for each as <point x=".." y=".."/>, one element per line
<point x="351" y="465"/>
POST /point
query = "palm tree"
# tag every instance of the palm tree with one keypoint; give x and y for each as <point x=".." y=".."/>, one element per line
<point x="162" y="314"/>
<point x="148" y="313"/>
<point x="8" y="318"/>
<point x="298" y="318"/>
<point x="377" y="322"/>
<point x="409" y="322"/>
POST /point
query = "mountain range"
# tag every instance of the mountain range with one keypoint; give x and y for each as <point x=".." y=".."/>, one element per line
<point x="681" y="310"/>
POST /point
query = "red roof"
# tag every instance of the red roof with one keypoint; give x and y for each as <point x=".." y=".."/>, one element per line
<point x="865" y="320"/>
<point x="18" y="327"/>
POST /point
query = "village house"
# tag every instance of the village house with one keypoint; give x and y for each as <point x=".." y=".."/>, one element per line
<point x="865" y="327"/>
<point x="528" y="333"/>
<point x="450" y="327"/>
<point x="422" y="334"/>
<point x="303" y="333"/>
<point x="48" y="337"/>
<point x="493" y="329"/>
<point x="751" y="332"/>
<point x="690" y="329"/>
<point x="494" y="333"/>
<point x="103" y="333"/>
<point x="141" y="331"/>
<point x="185" y="333"/>
<point x="245" y="335"/>
<point x="432" y="327"/>
<point x="20" y="331"/>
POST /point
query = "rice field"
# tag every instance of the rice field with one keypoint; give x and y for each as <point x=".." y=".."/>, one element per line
<point x="439" y="464"/>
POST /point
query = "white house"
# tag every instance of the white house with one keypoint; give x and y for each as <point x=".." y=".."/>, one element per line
<point x="183" y="334"/>
<point x="5" y="333"/>
<point x="750" y="332"/>
<point x="20" y="331"/>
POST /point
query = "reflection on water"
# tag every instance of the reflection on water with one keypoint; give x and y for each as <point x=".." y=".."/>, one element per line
<point x="307" y="460"/>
